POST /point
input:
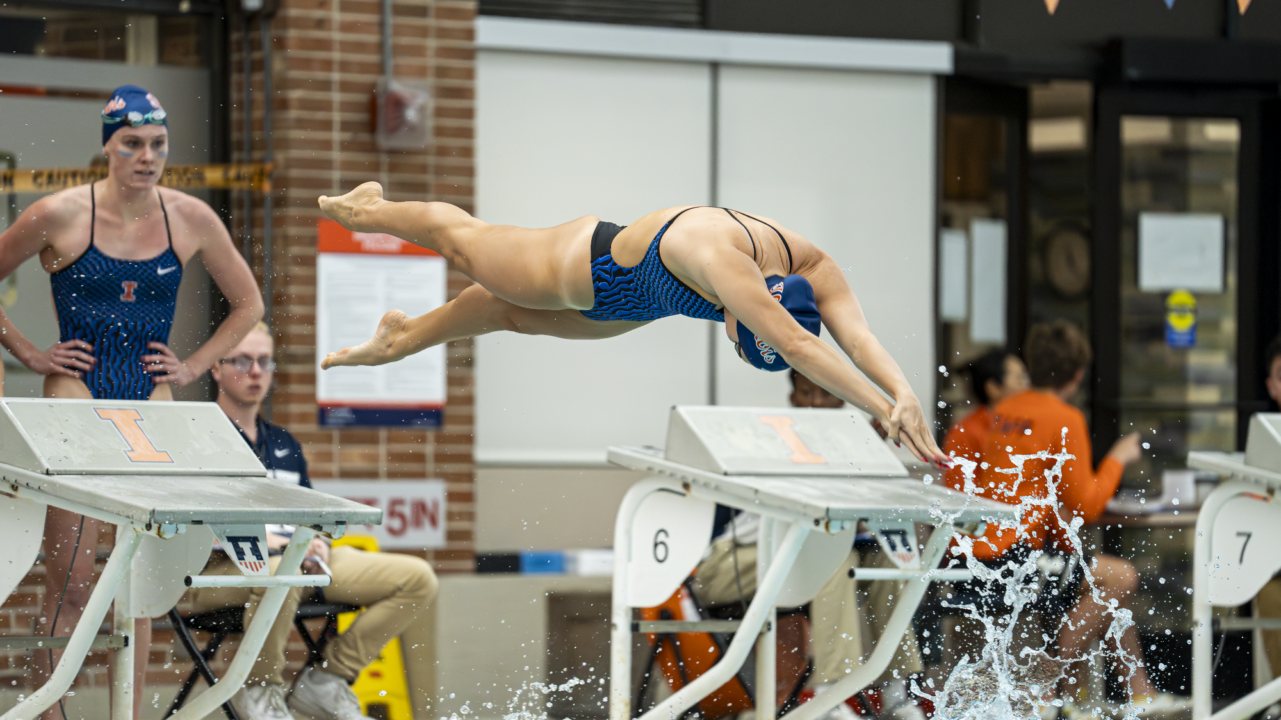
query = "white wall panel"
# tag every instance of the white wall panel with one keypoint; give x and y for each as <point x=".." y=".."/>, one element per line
<point x="559" y="137"/>
<point x="848" y="160"/>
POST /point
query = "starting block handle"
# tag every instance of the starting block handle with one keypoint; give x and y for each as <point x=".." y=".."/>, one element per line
<point x="253" y="581"/>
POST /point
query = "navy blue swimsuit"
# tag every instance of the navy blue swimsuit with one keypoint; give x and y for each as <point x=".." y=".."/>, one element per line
<point x="118" y="306"/>
<point x="649" y="290"/>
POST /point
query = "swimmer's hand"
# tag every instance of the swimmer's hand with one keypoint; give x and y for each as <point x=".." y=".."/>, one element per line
<point x="72" y="358"/>
<point x="384" y="347"/>
<point x="353" y="210"/>
<point x="165" y="367"/>
<point x="907" y="426"/>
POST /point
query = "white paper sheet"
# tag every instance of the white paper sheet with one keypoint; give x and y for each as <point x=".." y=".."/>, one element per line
<point x="954" y="274"/>
<point x="987" y="281"/>
<point x="352" y="294"/>
<point x="1181" y="251"/>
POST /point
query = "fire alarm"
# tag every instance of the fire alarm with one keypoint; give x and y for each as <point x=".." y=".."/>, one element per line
<point x="402" y="114"/>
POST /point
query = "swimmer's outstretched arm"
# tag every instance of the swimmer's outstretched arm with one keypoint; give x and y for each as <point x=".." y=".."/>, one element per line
<point x="474" y="312"/>
<point x="843" y="316"/>
<point x="737" y="282"/>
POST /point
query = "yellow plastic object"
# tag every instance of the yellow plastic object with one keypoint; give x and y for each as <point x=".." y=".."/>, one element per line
<point x="382" y="687"/>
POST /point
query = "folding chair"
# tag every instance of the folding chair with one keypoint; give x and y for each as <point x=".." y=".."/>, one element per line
<point x="229" y="621"/>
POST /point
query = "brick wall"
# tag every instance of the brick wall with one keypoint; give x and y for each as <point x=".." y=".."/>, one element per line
<point x="326" y="59"/>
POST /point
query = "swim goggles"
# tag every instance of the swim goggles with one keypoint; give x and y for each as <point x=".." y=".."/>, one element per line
<point x="137" y="119"/>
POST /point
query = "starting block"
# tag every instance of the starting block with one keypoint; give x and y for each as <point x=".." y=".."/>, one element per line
<point x="1235" y="554"/>
<point x="170" y="476"/>
<point x="812" y="475"/>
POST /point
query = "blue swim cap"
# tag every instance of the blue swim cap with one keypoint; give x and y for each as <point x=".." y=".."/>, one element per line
<point x="797" y="296"/>
<point x="133" y="106"/>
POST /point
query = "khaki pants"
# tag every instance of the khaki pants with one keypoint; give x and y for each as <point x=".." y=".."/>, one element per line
<point x="394" y="589"/>
<point x="836" y="623"/>
<point x="1268" y="603"/>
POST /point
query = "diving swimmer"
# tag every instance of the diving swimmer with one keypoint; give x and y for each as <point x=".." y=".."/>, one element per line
<point x="591" y="279"/>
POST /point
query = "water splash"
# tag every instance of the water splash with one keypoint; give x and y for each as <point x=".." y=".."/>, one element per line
<point x="1015" y="675"/>
<point x="529" y="702"/>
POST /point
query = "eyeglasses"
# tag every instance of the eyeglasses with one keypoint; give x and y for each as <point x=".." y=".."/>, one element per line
<point x="137" y="119"/>
<point x="243" y="363"/>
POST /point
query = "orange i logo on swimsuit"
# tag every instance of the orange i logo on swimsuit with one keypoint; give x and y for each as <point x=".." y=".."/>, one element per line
<point x="801" y="453"/>
<point x="129" y="286"/>
<point x="127" y="424"/>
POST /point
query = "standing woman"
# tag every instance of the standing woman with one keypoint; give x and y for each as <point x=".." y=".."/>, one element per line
<point x="115" y="250"/>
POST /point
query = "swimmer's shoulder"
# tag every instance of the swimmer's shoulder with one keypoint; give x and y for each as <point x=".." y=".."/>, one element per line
<point x="59" y="212"/>
<point x="187" y="209"/>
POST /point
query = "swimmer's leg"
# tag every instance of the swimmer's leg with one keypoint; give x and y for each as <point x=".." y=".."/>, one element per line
<point x="475" y="311"/>
<point x="537" y="268"/>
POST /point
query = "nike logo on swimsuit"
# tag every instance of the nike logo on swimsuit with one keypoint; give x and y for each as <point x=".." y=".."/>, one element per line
<point x="281" y="452"/>
<point x="166" y="271"/>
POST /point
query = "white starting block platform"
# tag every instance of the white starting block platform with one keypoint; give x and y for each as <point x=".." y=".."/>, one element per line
<point x="812" y="475"/>
<point x="171" y="476"/>
<point x="1238" y="532"/>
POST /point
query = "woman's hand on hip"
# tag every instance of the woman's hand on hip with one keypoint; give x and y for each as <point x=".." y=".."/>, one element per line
<point x="165" y="367"/>
<point x="72" y="358"/>
<point x="907" y="426"/>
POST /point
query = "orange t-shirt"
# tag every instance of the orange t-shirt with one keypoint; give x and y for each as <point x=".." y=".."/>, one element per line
<point x="1026" y="424"/>
<point x="965" y="439"/>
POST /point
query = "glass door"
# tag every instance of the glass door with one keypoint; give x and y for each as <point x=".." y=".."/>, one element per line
<point x="1183" y="300"/>
<point x="1179" y="282"/>
<point x="1184" y="290"/>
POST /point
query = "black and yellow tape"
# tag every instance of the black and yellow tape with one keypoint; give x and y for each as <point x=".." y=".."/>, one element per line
<point x="255" y="177"/>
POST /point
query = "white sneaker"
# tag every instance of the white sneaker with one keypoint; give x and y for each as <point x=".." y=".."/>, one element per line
<point x="1162" y="705"/>
<point x="325" y="696"/>
<point x="262" y="702"/>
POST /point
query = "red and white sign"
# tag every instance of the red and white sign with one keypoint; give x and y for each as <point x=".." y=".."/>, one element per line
<point x="359" y="277"/>
<point x="413" y="510"/>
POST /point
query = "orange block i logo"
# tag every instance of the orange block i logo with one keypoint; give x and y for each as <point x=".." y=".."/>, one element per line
<point x="127" y="423"/>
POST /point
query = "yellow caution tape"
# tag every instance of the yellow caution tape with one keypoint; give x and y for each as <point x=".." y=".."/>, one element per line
<point x="255" y="177"/>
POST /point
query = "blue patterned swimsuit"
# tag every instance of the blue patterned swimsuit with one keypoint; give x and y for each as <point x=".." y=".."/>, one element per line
<point x="649" y="290"/>
<point x="118" y="306"/>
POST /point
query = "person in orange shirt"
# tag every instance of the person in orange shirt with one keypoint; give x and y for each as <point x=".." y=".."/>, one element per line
<point x="1041" y="419"/>
<point x="994" y="376"/>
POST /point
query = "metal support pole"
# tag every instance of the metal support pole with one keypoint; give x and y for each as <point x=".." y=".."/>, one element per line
<point x="255" y="635"/>
<point x="766" y="642"/>
<point x="736" y="654"/>
<point x="122" y="661"/>
<point x="247" y="107"/>
<point x="620" y="640"/>
<point x="82" y="637"/>
<point x="909" y="598"/>
<point x="264" y="31"/>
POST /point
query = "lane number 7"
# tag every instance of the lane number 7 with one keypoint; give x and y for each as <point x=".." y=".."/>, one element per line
<point x="1244" y="543"/>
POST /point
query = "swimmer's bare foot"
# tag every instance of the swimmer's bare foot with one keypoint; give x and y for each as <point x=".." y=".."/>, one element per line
<point x="353" y="209"/>
<point x="378" y="350"/>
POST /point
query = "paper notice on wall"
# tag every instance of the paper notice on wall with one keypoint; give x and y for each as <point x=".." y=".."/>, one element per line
<point x="987" y="281"/>
<point x="954" y="274"/>
<point x="359" y="277"/>
<point x="1181" y="251"/>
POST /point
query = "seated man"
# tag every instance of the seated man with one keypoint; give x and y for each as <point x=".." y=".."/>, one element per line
<point x="727" y="576"/>
<point x="1029" y="422"/>
<point x="993" y="376"/>
<point x="394" y="589"/>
